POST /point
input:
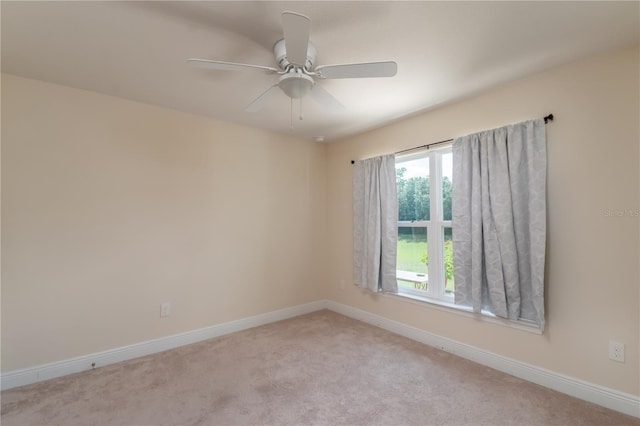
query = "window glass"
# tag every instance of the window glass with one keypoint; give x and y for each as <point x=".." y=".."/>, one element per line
<point x="412" y="178"/>
<point x="447" y="174"/>
<point x="449" y="283"/>
<point x="413" y="261"/>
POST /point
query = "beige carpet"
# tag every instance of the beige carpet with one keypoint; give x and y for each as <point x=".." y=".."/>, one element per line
<point x="317" y="369"/>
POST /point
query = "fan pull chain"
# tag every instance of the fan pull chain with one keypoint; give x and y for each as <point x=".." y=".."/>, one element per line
<point x="291" y="105"/>
<point x="300" y="117"/>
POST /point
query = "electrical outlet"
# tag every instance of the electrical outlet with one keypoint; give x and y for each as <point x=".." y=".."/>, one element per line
<point x="616" y="351"/>
<point x="165" y="309"/>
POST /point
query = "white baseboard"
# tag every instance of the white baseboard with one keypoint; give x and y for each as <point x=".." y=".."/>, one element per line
<point x="615" y="400"/>
<point x="40" y="373"/>
<point x="609" y="398"/>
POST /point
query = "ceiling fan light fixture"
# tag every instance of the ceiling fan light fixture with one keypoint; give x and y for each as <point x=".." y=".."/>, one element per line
<point x="296" y="85"/>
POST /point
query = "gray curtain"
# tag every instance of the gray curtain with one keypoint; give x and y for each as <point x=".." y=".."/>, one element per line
<point x="375" y="224"/>
<point x="499" y="220"/>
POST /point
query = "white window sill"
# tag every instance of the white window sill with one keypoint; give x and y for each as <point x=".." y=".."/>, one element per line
<point x="465" y="311"/>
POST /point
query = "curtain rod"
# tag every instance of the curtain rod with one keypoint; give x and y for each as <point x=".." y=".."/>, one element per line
<point x="546" y="120"/>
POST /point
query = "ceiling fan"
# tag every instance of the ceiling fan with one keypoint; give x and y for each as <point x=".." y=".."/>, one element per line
<point x="295" y="57"/>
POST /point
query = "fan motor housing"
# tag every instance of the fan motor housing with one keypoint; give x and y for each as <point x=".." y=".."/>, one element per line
<point x="280" y="50"/>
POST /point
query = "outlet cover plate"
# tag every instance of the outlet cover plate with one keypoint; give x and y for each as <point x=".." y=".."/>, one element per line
<point x="165" y="309"/>
<point x="616" y="351"/>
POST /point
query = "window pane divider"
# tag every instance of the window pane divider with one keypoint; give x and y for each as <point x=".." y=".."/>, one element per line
<point x="413" y="223"/>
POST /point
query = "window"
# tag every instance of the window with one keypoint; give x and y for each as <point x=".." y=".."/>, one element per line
<point x="425" y="247"/>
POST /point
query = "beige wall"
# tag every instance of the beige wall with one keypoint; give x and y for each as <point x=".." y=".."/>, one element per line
<point x="592" y="263"/>
<point x="111" y="207"/>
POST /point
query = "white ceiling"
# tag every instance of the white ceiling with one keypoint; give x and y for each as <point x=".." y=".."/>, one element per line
<point x="444" y="50"/>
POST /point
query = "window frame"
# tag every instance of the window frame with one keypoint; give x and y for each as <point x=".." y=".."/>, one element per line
<point x="435" y="227"/>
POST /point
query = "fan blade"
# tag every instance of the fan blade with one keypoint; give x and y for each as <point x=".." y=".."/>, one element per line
<point x="230" y="66"/>
<point x="364" y="70"/>
<point x="296" y="36"/>
<point x="261" y="100"/>
<point x="325" y="98"/>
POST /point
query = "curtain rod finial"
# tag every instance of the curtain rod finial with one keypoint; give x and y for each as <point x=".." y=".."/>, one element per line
<point x="548" y="118"/>
<point x="353" y="162"/>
